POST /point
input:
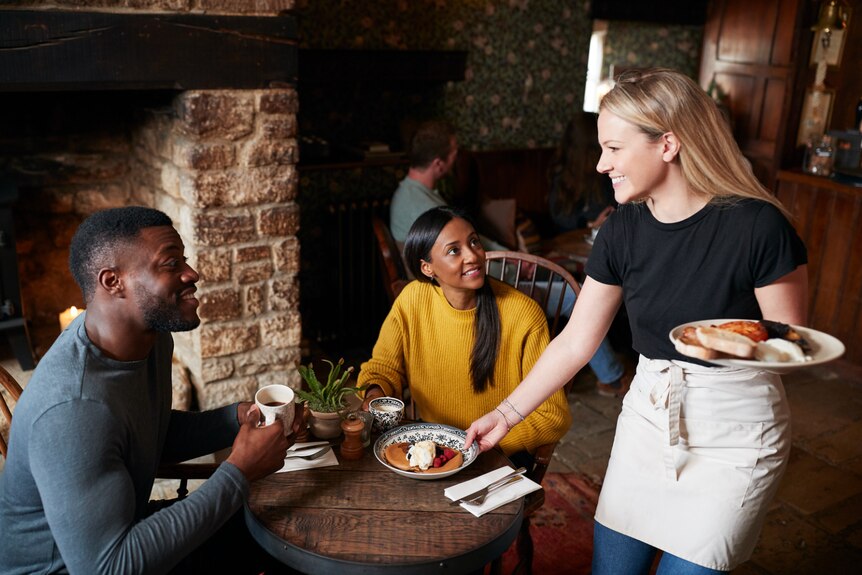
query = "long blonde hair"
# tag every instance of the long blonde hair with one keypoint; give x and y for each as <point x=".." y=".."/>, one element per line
<point x="657" y="101"/>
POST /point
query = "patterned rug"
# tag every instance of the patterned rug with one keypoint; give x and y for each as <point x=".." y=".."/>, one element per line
<point x="562" y="529"/>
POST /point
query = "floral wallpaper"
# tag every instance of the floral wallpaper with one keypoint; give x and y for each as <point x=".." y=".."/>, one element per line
<point x="525" y="76"/>
<point x="648" y="44"/>
<point x="525" y="70"/>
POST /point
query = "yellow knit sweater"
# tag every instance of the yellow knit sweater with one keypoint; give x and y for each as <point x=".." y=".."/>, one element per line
<point x="426" y="343"/>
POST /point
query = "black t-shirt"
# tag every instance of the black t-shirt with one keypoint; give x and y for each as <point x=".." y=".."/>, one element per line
<point x="704" y="267"/>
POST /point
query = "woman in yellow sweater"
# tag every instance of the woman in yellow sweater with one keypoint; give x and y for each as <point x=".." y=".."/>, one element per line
<point x="460" y="341"/>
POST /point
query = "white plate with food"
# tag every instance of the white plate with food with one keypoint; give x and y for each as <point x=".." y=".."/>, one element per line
<point x="425" y="450"/>
<point x="765" y="345"/>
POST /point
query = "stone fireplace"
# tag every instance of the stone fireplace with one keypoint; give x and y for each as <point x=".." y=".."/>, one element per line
<point x="221" y="162"/>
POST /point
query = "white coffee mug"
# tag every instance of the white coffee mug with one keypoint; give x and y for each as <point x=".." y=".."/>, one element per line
<point x="276" y="402"/>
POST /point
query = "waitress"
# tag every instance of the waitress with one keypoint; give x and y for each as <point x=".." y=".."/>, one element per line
<point x="699" y="450"/>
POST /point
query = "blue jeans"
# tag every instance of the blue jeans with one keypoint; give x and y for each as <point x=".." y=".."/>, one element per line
<point x="618" y="554"/>
<point x="604" y="362"/>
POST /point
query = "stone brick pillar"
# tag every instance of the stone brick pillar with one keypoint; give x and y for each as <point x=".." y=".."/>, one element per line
<point x="222" y="165"/>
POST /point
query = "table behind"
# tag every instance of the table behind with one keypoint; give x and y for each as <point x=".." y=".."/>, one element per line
<point x="360" y="517"/>
<point x="572" y="244"/>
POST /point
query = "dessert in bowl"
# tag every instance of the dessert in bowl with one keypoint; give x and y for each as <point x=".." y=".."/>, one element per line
<point x="408" y="448"/>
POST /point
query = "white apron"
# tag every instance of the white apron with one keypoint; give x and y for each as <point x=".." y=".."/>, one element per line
<point x="697" y="457"/>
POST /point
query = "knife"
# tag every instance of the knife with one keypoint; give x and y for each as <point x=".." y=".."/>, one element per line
<point x="490" y="487"/>
<point x="308" y="445"/>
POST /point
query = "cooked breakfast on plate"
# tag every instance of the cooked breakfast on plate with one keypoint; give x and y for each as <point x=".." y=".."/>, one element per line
<point x="764" y="340"/>
<point x="423" y="457"/>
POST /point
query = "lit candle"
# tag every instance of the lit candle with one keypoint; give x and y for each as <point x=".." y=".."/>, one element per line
<point x="67" y="316"/>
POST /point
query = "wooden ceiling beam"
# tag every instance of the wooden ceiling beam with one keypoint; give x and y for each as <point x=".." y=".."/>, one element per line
<point x="74" y="51"/>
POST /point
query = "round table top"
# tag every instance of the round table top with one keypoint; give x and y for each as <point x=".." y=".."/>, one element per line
<point x="360" y="517"/>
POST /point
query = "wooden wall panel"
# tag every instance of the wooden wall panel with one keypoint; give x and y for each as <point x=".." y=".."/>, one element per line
<point x="782" y="46"/>
<point x="849" y="290"/>
<point x="771" y="115"/>
<point x="743" y="30"/>
<point x="836" y="231"/>
<point x="740" y="89"/>
<point x="828" y="218"/>
<point x="749" y="47"/>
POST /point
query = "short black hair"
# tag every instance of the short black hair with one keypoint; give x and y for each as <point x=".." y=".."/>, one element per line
<point x="101" y="234"/>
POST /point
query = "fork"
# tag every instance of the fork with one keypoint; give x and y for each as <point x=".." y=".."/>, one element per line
<point x="311" y="456"/>
<point x="480" y="499"/>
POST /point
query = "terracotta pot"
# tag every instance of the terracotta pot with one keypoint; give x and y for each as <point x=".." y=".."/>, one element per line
<point x="324" y="425"/>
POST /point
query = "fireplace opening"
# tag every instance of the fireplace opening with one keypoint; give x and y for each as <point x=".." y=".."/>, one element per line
<point x="67" y="155"/>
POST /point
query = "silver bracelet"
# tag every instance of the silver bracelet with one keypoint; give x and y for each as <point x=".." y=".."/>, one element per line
<point x="508" y="425"/>
<point x="512" y="407"/>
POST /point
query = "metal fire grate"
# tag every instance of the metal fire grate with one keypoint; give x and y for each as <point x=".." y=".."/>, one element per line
<point x="344" y="302"/>
<point x="13" y="324"/>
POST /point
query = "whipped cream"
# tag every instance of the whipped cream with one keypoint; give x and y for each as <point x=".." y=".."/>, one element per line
<point x="421" y="454"/>
<point x="779" y="350"/>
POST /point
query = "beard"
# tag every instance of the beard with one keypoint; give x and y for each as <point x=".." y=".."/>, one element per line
<point x="162" y="315"/>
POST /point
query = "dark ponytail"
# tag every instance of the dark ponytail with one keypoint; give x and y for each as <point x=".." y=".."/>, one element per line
<point x="486" y="343"/>
<point x="486" y="327"/>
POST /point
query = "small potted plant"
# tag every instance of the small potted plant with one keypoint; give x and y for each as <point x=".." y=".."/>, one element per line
<point x="326" y="401"/>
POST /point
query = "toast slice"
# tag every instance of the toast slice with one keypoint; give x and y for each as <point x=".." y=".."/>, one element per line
<point x="687" y="344"/>
<point x="725" y="341"/>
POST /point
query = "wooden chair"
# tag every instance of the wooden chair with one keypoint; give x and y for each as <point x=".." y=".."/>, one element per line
<point x="392" y="270"/>
<point x="547" y="283"/>
<point x="181" y="471"/>
<point x="184" y="472"/>
<point x="14" y="390"/>
<point x="543" y="280"/>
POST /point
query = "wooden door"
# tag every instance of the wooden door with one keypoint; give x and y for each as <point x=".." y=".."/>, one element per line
<point x="750" y="47"/>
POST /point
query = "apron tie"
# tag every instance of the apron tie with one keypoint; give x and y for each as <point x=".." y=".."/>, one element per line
<point x="666" y="394"/>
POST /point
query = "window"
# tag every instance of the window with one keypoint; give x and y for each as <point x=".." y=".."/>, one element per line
<point x="596" y="86"/>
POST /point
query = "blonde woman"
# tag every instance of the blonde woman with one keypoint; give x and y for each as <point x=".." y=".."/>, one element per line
<point x="699" y="450"/>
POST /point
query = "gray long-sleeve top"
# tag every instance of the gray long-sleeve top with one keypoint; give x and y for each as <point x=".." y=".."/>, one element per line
<point x="87" y="437"/>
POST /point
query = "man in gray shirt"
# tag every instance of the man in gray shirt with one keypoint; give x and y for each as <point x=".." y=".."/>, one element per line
<point x="95" y="422"/>
<point x="433" y="150"/>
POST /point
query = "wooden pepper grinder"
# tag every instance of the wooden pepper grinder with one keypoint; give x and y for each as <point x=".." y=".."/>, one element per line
<point x="351" y="447"/>
<point x="303" y="435"/>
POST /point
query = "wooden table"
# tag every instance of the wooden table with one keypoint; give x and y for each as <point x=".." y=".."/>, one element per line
<point x="572" y="244"/>
<point x="360" y="517"/>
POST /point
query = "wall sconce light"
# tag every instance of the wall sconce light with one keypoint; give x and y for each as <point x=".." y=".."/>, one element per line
<point x="832" y="16"/>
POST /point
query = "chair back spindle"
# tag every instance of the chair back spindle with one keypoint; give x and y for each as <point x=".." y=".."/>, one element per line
<point x="13" y="389"/>
<point x="543" y="280"/>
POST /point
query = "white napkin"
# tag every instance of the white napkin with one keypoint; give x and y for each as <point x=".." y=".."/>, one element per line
<point x="496" y="498"/>
<point x="295" y="463"/>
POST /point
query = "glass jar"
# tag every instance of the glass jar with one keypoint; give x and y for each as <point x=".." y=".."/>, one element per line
<point x="821" y="157"/>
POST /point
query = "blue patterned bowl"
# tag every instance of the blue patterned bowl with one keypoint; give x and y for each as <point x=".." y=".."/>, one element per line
<point x="444" y="435"/>
<point x="387" y="412"/>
